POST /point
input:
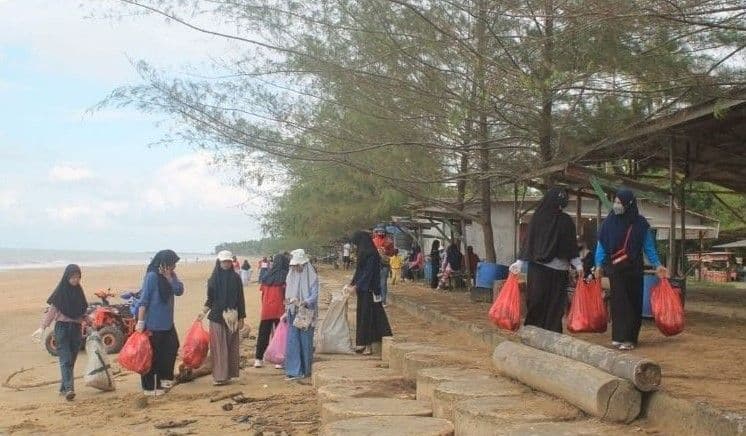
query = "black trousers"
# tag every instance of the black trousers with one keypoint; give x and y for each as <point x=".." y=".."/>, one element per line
<point x="546" y="297"/>
<point x="626" y="305"/>
<point x="434" y="279"/>
<point x="262" y="338"/>
<point x="165" y="347"/>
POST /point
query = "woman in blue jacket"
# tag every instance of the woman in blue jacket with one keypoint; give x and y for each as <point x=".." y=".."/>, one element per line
<point x="156" y="315"/>
<point x="624" y="236"/>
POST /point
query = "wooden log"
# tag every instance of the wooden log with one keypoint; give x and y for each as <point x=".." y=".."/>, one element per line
<point x="590" y="389"/>
<point x="644" y="373"/>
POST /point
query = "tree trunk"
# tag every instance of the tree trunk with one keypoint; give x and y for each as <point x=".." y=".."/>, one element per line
<point x="588" y="388"/>
<point x="643" y="373"/>
<point x="547" y="94"/>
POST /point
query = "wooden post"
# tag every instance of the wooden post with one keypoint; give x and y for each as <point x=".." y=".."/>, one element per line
<point x="701" y="249"/>
<point x="672" y="211"/>
<point x="515" y="220"/>
<point x="682" y="254"/>
<point x="578" y="214"/>
<point x="598" y="218"/>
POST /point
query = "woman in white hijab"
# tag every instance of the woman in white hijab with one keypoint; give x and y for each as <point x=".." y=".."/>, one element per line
<point x="301" y="303"/>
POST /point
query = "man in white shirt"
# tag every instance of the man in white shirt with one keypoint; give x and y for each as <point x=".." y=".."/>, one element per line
<point x="346" y="248"/>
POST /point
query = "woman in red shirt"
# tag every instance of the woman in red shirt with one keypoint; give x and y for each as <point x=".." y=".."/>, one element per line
<point x="273" y="304"/>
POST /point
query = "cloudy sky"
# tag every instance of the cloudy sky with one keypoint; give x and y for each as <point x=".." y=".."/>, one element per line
<point x="74" y="180"/>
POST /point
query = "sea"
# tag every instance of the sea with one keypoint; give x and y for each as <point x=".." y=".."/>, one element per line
<point x="22" y="258"/>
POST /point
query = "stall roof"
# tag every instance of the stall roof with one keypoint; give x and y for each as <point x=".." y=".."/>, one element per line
<point x="737" y="244"/>
<point x="707" y="142"/>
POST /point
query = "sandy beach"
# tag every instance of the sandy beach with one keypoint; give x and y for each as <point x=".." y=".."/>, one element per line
<point x="40" y="410"/>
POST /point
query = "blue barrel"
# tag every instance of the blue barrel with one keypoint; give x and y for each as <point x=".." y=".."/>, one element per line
<point x="487" y="273"/>
<point x="649" y="280"/>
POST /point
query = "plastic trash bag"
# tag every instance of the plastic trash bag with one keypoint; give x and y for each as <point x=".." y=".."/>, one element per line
<point x="97" y="371"/>
<point x="333" y="332"/>
<point x="137" y="353"/>
<point x="275" y="352"/>
<point x="667" y="308"/>
<point x="587" y="310"/>
<point x="506" y="310"/>
<point x="196" y="345"/>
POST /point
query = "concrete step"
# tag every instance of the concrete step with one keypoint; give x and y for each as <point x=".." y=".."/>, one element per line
<point x="398" y="350"/>
<point x="448" y="394"/>
<point x="389" y="425"/>
<point x="429" y="378"/>
<point x="479" y="416"/>
<point x="353" y="375"/>
<point x="566" y="428"/>
<point x="418" y="360"/>
<point x="365" y="407"/>
<point x="345" y="391"/>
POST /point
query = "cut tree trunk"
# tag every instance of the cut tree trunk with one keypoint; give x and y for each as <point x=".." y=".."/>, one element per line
<point x="588" y="388"/>
<point x="642" y="372"/>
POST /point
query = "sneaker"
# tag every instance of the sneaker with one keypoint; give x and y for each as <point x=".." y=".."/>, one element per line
<point x="278" y="366"/>
<point x="220" y="382"/>
<point x="167" y="384"/>
<point x="258" y="363"/>
<point x="293" y="378"/>
<point x="615" y="344"/>
<point x="627" y="346"/>
<point x="153" y="393"/>
<point x="70" y="395"/>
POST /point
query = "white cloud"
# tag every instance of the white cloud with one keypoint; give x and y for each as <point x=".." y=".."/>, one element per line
<point x="69" y="173"/>
<point x="8" y="200"/>
<point x="98" y="216"/>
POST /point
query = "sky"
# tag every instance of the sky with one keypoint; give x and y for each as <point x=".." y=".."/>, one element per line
<point x="72" y="179"/>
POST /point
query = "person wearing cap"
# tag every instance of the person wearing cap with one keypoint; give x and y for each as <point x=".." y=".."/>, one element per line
<point x="227" y="311"/>
<point x="385" y="248"/>
<point x="301" y="295"/>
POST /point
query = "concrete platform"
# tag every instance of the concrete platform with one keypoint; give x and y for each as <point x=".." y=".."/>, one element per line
<point x="479" y="416"/>
<point x="448" y="394"/>
<point x="364" y="407"/>
<point x="389" y="425"/>
<point x="568" y="428"/>
<point x="429" y="378"/>
<point x="353" y="375"/>
<point x="343" y="392"/>
<point x="398" y="350"/>
<point x="324" y="357"/>
<point x="417" y="360"/>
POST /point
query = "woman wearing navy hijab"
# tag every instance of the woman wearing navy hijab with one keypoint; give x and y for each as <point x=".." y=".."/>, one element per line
<point x="625" y="235"/>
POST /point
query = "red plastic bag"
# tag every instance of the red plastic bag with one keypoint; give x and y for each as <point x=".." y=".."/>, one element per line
<point x="506" y="310"/>
<point x="275" y="352"/>
<point x="137" y="354"/>
<point x="196" y="345"/>
<point x="667" y="308"/>
<point x="587" y="310"/>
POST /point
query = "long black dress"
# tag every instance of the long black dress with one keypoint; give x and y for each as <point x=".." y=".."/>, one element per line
<point x="372" y="322"/>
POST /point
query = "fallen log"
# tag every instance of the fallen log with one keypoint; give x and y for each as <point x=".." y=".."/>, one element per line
<point x="222" y="397"/>
<point x="174" y="424"/>
<point x="644" y="373"/>
<point x="590" y="389"/>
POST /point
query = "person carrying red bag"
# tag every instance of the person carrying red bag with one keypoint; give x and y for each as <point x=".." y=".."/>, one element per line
<point x="624" y="236"/>
<point x="551" y="249"/>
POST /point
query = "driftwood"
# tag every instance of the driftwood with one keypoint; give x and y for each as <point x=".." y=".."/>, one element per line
<point x="643" y="373"/>
<point x="174" y="424"/>
<point x="226" y="396"/>
<point x="18" y="387"/>
<point x="590" y="389"/>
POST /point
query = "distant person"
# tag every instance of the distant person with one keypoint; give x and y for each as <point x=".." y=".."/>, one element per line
<point x="624" y="237"/>
<point x="236" y="265"/>
<point x="470" y="264"/>
<point x="263" y="268"/>
<point x="372" y="322"/>
<point x="385" y="247"/>
<point x="67" y="309"/>
<point x="301" y="295"/>
<point x="246" y="272"/>
<point x="435" y="263"/>
<point x="346" y="252"/>
<point x="156" y="315"/>
<point x="226" y="309"/>
<point x="551" y="249"/>
<point x="397" y="262"/>
<point x="273" y="305"/>
<point x="451" y="264"/>
<point x="415" y="263"/>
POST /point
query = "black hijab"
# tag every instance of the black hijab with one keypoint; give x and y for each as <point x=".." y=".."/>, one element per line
<point x="614" y="228"/>
<point x="365" y="247"/>
<point x="551" y="232"/>
<point x="245" y="265"/>
<point x="163" y="258"/>
<point x="278" y="273"/>
<point x="68" y="299"/>
<point x="454" y="256"/>
<point x="227" y="289"/>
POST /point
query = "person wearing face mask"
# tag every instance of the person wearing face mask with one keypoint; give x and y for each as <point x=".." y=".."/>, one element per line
<point x="551" y="250"/>
<point x="625" y="235"/>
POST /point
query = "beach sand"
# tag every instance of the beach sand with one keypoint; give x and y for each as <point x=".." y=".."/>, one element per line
<point x="41" y="410"/>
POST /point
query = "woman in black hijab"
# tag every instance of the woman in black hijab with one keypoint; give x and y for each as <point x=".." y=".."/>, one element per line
<point x="372" y="322"/>
<point x="227" y="311"/>
<point x="67" y="308"/>
<point x="435" y="263"/>
<point x="624" y="236"/>
<point x="551" y="249"/>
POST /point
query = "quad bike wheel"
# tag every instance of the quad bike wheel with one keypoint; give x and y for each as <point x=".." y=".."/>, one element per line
<point x="50" y="343"/>
<point x="112" y="337"/>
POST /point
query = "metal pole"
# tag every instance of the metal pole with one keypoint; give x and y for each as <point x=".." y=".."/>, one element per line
<point x="682" y="254"/>
<point x="578" y="214"/>
<point x="515" y="220"/>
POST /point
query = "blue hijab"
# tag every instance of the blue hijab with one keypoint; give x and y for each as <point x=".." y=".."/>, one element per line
<point x="614" y="229"/>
